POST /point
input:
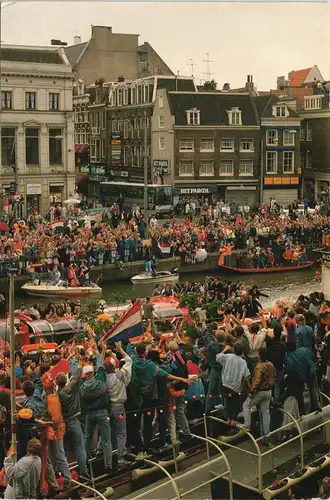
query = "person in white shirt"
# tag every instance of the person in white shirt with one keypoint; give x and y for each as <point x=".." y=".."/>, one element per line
<point x="153" y="223"/>
<point x="117" y="380"/>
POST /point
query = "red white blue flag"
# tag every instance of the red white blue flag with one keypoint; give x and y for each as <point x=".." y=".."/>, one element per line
<point x="129" y="325"/>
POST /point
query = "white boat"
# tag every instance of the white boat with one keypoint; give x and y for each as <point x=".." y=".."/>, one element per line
<point x="159" y="277"/>
<point x="60" y="289"/>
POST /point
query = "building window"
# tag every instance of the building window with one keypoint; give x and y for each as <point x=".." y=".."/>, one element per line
<point x="161" y="122"/>
<point x="288" y="137"/>
<point x="6" y="99"/>
<point x="226" y="167"/>
<point x="125" y="129"/>
<point x="125" y="96"/>
<point x="120" y="125"/>
<point x="126" y="155"/>
<point x="314" y="102"/>
<point x="206" y="169"/>
<point x="103" y="119"/>
<point x="246" y="168"/>
<point x="95" y="152"/>
<point x="103" y="149"/>
<point x="235" y="116"/>
<point x="146" y="93"/>
<point x="302" y="133"/>
<point x="54" y="101"/>
<point x="133" y="95"/>
<point x="308" y="159"/>
<point x="8" y="146"/>
<point x="227" y="145"/>
<point x="207" y="145"/>
<point x="271" y="137"/>
<point x="55" y="146"/>
<point x="186" y="145"/>
<point x="280" y="111"/>
<point x="309" y="133"/>
<point x="32" y="146"/>
<point x="139" y="95"/>
<point x="288" y="162"/>
<point x="161" y="101"/>
<point x="247" y="145"/>
<point x="119" y="97"/>
<point x="271" y="162"/>
<point x="161" y="143"/>
<point x="302" y="160"/>
<point x="193" y="116"/>
<point x="114" y="125"/>
<point x="186" y="169"/>
<point x="30" y="100"/>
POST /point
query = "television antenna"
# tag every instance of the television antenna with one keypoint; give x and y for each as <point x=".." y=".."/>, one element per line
<point x="208" y="72"/>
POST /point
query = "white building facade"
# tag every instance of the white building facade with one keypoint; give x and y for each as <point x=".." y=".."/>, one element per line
<point x="37" y="128"/>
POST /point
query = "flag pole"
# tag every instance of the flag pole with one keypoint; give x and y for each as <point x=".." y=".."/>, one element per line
<point x="12" y="368"/>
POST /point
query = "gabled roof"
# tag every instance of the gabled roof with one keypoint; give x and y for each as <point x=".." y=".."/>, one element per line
<point x="298" y="92"/>
<point x="213" y="107"/>
<point x="264" y="105"/>
<point x="297" y="78"/>
<point x="30" y="55"/>
<point x="73" y="52"/>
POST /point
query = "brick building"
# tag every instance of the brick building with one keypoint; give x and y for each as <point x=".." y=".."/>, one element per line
<point x="108" y="55"/>
<point x="211" y="140"/>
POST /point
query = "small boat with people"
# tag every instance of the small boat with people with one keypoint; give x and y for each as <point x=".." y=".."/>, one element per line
<point x="273" y="269"/>
<point x="60" y="288"/>
<point x="156" y="277"/>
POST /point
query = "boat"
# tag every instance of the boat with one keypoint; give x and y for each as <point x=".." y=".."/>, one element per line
<point x="258" y="270"/>
<point x="159" y="277"/>
<point x="60" y="289"/>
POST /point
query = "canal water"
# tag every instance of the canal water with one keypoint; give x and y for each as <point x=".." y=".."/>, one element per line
<point x="287" y="285"/>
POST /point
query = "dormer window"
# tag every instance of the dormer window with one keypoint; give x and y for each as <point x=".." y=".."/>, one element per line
<point x="193" y="116"/>
<point x="235" y="116"/>
<point x="280" y="111"/>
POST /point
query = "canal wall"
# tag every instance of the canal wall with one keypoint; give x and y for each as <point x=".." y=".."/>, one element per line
<point x="110" y="273"/>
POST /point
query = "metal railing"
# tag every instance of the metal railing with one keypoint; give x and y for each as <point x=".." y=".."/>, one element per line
<point x="255" y="442"/>
<point x="174" y="479"/>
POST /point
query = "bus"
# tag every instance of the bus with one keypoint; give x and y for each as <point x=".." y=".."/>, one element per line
<point x="160" y="197"/>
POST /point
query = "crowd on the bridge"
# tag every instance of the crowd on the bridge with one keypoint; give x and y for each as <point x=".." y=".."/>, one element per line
<point x="115" y="237"/>
<point x="229" y="355"/>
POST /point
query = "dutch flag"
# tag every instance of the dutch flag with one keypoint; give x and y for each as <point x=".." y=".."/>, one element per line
<point x="165" y="248"/>
<point x="129" y="325"/>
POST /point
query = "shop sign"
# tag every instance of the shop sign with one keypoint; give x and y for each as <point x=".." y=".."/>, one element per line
<point x="202" y="190"/>
<point x="326" y="257"/>
<point x="116" y="142"/>
<point x="281" y="180"/>
<point x="12" y="188"/>
<point x="33" y="189"/>
<point x="294" y="180"/>
<point x="115" y="134"/>
<point x="164" y="164"/>
<point x="84" y="169"/>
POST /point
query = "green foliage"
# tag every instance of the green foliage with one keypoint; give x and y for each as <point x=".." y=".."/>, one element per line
<point x="190" y="300"/>
<point x="211" y="309"/>
<point x="117" y="298"/>
<point x="192" y="332"/>
<point x="89" y="312"/>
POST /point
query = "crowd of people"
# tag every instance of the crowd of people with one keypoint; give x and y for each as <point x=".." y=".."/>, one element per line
<point x="147" y="393"/>
<point x="116" y="237"/>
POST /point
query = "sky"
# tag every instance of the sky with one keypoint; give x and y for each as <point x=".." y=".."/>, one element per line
<point x="265" y="40"/>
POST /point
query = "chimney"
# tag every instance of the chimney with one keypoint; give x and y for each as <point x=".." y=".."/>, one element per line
<point x="121" y="78"/>
<point x="226" y="87"/>
<point x="77" y="40"/>
<point x="249" y="83"/>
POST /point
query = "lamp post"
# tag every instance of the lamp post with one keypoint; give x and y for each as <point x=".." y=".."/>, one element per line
<point x="145" y="165"/>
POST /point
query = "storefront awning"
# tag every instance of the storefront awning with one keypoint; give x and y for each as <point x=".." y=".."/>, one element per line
<point x="81" y="148"/>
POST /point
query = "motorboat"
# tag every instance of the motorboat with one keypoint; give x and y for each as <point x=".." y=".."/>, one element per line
<point x="60" y="289"/>
<point x="158" y="277"/>
<point x="274" y="269"/>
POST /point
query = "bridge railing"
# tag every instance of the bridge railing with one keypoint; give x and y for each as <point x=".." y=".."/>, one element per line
<point x="295" y="444"/>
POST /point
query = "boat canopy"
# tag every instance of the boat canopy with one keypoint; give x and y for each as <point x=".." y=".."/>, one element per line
<point x="62" y="326"/>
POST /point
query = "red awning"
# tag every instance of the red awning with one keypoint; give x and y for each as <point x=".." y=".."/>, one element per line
<point x="81" y="148"/>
